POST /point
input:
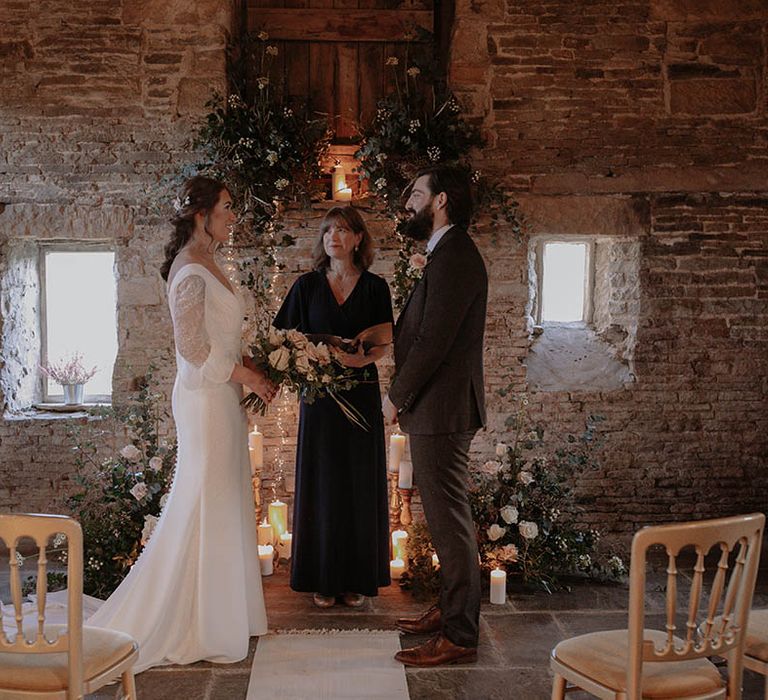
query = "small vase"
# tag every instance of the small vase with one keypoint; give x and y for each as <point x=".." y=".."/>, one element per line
<point x="73" y="393"/>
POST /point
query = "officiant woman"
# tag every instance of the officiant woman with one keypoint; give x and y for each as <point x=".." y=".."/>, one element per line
<point x="340" y="516"/>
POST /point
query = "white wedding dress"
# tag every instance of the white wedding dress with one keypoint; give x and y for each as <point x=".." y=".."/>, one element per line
<point x="195" y="592"/>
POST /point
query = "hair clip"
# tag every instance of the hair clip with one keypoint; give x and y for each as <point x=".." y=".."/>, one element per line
<point x="178" y="205"/>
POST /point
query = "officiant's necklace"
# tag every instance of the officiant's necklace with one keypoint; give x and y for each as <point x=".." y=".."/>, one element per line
<point x="344" y="283"/>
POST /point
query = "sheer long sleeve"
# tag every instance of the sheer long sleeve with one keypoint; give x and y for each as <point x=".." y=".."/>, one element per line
<point x="202" y="358"/>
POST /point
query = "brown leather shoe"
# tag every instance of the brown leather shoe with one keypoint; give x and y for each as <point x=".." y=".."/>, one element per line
<point x="437" y="651"/>
<point x="428" y="623"/>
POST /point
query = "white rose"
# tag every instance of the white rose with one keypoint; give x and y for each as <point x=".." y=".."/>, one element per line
<point x="491" y="466"/>
<point x="302" y="362"/>
<point x="501" y="450"/>
<point x="496" y="532"/>
<point x="311" y="351"/>
<point x="299" y="340"/>
<point x="323" y="354"/>
<point x="280" y="359"/>
<point x="139" y="490"/>
<point x="156" y="463"/>
<point x="528" y="529"/>
<point x="130" y="452"/>
<point x="150" y="522"/>
<point x="509" y="514"/>
<point x="164" y="499"/>
<point x="525" y="477"/>
<point x="275" y="337"/>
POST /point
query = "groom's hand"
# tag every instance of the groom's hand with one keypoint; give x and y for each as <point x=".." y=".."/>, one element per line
<point x="390" y="412"/>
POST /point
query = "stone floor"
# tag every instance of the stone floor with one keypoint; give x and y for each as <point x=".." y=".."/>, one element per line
<point x="515" y="640"/>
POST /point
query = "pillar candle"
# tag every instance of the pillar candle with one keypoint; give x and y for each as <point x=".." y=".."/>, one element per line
<point x="399" y="538"/>
<point x="338" y="180"/>
<point x="405" y="480"/>
<point x="284" y="545"/>
<point x="266" y="553"/>
<point x="266" y="533"/>
<point x="396" y="450"/>
<point x="278" y="518"/>
<point x="344" y="194"/>
<point x="256" y="449"/>
<point x="498" y="587"/>
<point x="396" y="569"/>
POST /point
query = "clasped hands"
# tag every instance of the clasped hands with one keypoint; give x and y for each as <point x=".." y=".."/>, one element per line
<point x="258" y="382"/>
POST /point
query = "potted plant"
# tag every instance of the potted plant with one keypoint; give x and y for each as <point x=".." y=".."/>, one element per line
<point x="72" y="376"/>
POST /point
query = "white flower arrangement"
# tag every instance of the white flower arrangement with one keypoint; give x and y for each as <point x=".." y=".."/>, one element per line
<point x="525" y="477"/>
<point x="528" y="529"/>
<point x="130" y="452"/>
<point x="496" y="532"/>
<point x="139" y="490"/>
<point x="150" y="523"/>
<point x="289" y="358"/>
<point x="509" y="514"/>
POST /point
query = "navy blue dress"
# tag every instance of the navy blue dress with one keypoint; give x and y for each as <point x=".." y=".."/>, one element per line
<point x="340" y="513"/>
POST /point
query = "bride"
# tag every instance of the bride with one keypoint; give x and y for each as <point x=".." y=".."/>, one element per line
<point x="195" y="592"/>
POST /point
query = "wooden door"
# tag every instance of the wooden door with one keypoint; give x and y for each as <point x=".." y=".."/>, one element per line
<point x="332" y="54"/>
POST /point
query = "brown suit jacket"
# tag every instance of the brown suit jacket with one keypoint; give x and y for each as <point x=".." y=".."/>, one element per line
<point x="438" y="385"/>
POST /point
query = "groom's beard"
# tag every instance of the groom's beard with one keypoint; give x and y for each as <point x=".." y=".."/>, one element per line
<point x="419" y="226"/>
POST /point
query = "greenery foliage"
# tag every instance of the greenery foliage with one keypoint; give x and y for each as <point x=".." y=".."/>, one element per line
<point x="267" y="151"/>
<point x="120" y="496"/>
<point x="523" y="507"/>
<point x="418" y="125"/>
<point x="421" y="577"/>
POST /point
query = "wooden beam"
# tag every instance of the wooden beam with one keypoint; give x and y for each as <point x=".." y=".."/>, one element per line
<point x="336" y="24"/>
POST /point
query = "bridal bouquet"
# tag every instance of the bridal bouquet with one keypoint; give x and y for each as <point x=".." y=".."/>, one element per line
<point x="289" y="358"/>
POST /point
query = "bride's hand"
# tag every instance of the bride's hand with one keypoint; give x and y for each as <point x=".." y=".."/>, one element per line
<point x="261" y="386"/>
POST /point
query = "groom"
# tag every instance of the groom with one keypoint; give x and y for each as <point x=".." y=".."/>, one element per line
<point x="438" y="397"/>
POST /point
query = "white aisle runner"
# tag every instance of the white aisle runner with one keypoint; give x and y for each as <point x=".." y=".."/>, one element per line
<point x="327" y="665"/>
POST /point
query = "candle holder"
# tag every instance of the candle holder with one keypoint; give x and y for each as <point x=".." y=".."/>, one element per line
<point x="405" y="510"/>
<point x="394" y="503"/>
<point x="399" y="504"/>
<point x="256" y="486"/>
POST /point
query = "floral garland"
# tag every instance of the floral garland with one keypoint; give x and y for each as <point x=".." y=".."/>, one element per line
<point x="517" y="501"/>
<point x="121" y="496"/>
<point x="419" y="125"/>
<point x="265" y="150"/>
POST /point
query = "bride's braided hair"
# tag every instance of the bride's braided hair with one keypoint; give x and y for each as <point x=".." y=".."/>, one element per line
<point x="199" y="193"/>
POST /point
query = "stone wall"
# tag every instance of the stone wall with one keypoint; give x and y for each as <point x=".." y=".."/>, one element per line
<point x="99" y="102"/>
<point x="645" y="121"/>
<point x="640" y="124"/>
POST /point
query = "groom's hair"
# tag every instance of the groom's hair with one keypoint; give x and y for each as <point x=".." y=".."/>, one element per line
<point x="455" y="183"/>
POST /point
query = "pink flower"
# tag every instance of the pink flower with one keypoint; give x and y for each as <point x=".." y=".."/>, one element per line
<point x="507" y="553"/>
<point x="418" y="261"/>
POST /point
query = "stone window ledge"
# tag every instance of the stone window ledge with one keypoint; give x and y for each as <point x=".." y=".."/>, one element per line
<point x="572" y="357"/>
<point x="44" y="411"/>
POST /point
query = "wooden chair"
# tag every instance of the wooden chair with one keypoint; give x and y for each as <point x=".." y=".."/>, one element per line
<point x="756" y="646"/>
<point x="640" y="663"/>
<point x="67" y="661"/>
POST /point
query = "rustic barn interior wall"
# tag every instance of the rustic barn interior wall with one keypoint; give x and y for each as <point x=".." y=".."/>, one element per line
<point x="640" y="126"/>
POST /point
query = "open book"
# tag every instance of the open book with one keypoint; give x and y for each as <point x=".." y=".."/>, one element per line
<point x="374" y="337"/>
